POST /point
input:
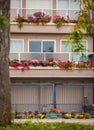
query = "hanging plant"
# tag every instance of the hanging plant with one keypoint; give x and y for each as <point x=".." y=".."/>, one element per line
<point x="3" y="21"/>
<point x="58" y="20"/>
<point x="20" y="20"/>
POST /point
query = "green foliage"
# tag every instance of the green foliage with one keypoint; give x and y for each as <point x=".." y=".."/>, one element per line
<point x="20" y="20"/>
<point x="75" y="38"/>
<point x="47" y="126"/>
<point x="85" y="25"/>
<point x="90" y="29"/>
<point x="58" y="20"/>
<point x="3" y="21"/>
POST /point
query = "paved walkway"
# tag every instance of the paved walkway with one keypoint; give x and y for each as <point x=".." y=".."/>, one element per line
<point x="80" y="121"/>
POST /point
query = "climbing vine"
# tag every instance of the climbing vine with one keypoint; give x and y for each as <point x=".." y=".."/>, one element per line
<point x="84" y="25"/>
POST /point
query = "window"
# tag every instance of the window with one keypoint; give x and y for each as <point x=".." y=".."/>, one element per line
<point x="68" y="7"/>
<point x="41" y="46"/>
<point x="67" y="48"/>
<point x="38" y="4"/>
<point x="15" y="3"/>
<point x="16" y="46"/>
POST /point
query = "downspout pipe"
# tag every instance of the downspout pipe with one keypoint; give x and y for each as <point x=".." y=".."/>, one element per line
<point x="54" y="94"/>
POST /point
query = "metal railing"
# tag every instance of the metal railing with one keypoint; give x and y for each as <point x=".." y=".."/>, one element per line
<point x="47" y="107"/>
<point x="64" y="56"/>
<point x="29" y="12"/>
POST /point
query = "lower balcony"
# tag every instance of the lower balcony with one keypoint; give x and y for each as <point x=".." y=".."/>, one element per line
<point x="51" y="65"/>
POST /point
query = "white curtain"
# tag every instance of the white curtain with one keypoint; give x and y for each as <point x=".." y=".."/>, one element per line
<point x="16" y="46"/>
<point x="74" y="5"/>
<point x="63" y="4"/>
<point x="38" y="4"/>
<point x="68" y="5"/>
<point x="15" y="3"/>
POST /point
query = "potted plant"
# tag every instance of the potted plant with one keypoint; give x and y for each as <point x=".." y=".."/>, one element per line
<point x="67" y="116"/>
<point x="79" y="116"/>
<point x="30" y="115"/>
<point x="53" y="113"/>
<point x="41" y="115"/>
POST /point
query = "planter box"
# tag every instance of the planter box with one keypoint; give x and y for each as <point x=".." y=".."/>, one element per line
<point x="52" y="115"/>
<point x="51" y="72"/>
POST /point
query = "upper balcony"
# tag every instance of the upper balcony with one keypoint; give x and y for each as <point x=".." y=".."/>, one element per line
<point x="50" y="27"/>
<point x="52" y="65"/>
<point x="51" y="12"/>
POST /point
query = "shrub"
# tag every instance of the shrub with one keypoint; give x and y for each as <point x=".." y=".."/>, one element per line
<point x="29" y="125"/>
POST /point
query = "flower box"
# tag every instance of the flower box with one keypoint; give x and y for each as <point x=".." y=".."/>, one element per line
<point x="52" y="115"/>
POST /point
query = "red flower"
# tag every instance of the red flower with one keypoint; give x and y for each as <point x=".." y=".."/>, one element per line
<point x="56" y="110"/>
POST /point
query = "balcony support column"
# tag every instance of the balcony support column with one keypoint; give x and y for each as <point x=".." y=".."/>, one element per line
<point x="54" y="94"/>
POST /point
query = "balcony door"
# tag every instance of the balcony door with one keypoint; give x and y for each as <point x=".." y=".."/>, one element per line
<point x="66" y="47"/>
<point x="68" y="8"/>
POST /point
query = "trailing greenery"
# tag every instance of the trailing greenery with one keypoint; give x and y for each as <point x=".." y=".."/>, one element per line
<point x="47" y="126"/>
<point x="84" y="25"/>
<point x="3" y="21"/>
<point x="75" y="39"/>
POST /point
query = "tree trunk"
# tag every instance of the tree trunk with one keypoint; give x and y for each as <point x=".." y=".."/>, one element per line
<point x="5" y="90"/>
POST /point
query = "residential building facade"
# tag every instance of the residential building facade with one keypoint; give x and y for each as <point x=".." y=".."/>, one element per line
<point x="44" y="87"/>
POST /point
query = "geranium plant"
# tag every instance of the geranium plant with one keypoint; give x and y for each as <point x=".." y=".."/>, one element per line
<point x="20" y="19"/>
<point x="58" y="20"/>
<point x="84" y="65"/>
<point x="56" y="110"/>
<point x="35" y="62"/>
<point x="43" y="20"/>
<point x="66" y="64"/>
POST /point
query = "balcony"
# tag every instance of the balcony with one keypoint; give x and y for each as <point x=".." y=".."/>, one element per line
<point x="49" y="71"/>
<point x="29" y="12"/>
<point x="49" y="27"/>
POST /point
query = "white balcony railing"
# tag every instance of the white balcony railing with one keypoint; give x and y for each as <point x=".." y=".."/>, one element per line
<point x="29" y="12"/>
<point x="56" y="56"/>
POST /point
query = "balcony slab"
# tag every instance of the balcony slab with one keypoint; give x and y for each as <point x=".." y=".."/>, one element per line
<point x="47" y="28"/>
<point x="51" y="72"/>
